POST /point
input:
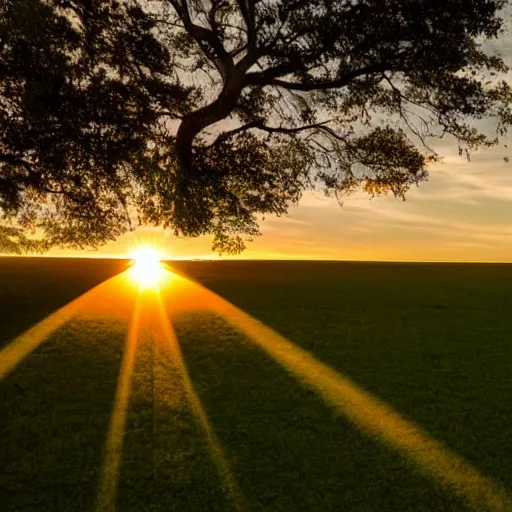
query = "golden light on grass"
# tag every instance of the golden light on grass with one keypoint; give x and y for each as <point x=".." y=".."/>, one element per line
<point x="147" y="268"/>
<point x="367" y="412"/>
<point x="26" y="343"/>
<point x="114" y="447"/>
<point x="228" y="480"/>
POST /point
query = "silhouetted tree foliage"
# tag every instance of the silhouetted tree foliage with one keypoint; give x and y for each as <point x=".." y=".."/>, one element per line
<point x="202" y="116"/>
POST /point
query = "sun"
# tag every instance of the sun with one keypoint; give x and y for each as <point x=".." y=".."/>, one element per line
<point x="147" y="269"/>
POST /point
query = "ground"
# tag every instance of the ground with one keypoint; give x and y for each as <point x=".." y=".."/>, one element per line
<point x="363" y="387"/>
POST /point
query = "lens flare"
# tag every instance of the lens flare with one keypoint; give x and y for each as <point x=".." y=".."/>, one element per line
<point x="147" y="269"/>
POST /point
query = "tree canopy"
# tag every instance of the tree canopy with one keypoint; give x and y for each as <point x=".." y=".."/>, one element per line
<point x="203" y="116"/>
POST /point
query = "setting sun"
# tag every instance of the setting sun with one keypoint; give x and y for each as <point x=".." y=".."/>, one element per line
<point x="147" y="268"/>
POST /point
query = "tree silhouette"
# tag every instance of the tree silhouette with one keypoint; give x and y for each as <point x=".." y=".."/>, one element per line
<point x="205" y="115"/>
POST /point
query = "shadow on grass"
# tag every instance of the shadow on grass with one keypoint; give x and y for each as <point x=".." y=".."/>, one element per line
<point x="447" y="370"/>
<point x="55" y="409"/>
<point x="289" y="450"/>
<point x="166" y="464"/>
<point x="33" y="288"/>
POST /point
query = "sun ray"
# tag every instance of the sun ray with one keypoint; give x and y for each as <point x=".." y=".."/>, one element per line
<point x="228" y="480"/>
<point x="365" y="410"/>
<point x="27" y="342"/>
<point x="107" y="493"/>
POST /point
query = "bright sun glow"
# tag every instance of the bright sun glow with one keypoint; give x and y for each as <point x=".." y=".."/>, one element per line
<point x="147" y="268"/>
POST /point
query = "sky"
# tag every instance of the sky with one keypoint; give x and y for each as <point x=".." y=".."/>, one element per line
<point x="463" y="213"/>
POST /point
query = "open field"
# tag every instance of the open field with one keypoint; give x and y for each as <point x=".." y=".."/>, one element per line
<point x="366" y="387"/>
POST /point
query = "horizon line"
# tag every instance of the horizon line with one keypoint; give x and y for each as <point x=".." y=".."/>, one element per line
<point x="233" y="259"/>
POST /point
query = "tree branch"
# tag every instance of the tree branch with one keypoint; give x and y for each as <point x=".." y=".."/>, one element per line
<point x="203" y="35"/>
<point x="269" y="78"/>
<point x="403" y="113"/>
<point x="258" y="125"/>
<point x="247" y="10"/>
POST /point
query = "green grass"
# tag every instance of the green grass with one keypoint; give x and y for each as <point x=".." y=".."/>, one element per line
<point x="431" y="340"/>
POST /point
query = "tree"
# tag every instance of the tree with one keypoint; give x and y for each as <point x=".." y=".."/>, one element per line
<point x="203" y="116"/>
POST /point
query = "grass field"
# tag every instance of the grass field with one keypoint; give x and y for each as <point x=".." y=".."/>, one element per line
<point x="388" y="389"/>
